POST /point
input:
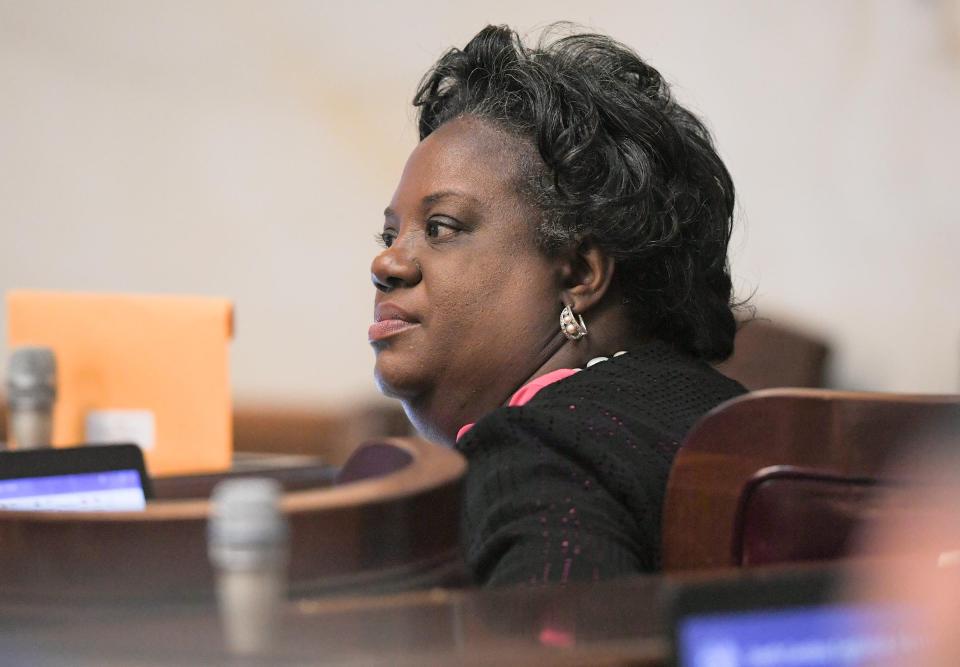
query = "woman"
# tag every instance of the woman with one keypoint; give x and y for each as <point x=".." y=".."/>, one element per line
<point x="553" y="281"/>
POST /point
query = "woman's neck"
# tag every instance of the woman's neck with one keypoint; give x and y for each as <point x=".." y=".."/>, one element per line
<point x="440" y="413"/>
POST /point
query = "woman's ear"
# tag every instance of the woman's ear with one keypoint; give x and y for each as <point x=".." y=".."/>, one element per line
<point x="587" y="272"/>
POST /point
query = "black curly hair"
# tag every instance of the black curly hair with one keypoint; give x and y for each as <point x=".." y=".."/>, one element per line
<point x="623" y="164"/>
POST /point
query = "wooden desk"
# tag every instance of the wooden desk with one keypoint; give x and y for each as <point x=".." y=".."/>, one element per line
<point x="381" y="534"/>
<point x="614" y="623"/>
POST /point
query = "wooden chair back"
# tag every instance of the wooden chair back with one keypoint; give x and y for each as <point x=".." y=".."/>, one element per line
<point x="785" y="475"/>
<point x="396" y="531"/>
<point x="768" y="355"/>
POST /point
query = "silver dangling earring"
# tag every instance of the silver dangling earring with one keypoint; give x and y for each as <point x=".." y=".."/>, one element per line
<point x="571" y="324"/>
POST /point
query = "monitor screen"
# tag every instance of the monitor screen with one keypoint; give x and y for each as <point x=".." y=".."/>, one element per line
<point x="110" y="490"/>
<point x="830" y="635"/>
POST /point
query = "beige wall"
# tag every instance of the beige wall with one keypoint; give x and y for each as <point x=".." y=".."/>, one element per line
<point x="247" y="149"/>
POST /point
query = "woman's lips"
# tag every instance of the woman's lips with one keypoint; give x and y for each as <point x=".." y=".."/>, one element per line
<point x="386" y="328"/>
<point x="389" y="319"/>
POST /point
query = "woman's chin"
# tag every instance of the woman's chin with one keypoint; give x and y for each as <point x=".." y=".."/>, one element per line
<point x="397" y="380"/>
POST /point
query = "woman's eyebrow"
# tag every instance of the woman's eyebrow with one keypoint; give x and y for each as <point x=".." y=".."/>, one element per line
<point x="434" y="197"/>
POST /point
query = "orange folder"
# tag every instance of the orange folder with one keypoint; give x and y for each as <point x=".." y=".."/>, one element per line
<point x="148" y="369"/>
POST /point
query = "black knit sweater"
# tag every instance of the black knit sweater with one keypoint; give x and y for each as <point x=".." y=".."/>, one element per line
<point x="569" y="487"/>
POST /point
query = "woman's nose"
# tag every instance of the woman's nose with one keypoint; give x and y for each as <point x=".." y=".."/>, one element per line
<point x="394" y="267"/>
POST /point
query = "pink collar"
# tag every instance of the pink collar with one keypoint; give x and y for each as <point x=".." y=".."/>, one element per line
<point x="523" y="395"/>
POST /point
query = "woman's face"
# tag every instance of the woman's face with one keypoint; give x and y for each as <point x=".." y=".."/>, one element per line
<point x="466" y="307"/>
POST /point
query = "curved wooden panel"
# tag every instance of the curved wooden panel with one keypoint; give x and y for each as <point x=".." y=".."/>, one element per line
<point x="841" y="433"/>
<point x="788" y="514"/>
<point x="375" y="534"/>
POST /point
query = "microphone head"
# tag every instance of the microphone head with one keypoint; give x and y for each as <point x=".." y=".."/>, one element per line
<point x="247" y="527"/>
<point x="31" y="378"/>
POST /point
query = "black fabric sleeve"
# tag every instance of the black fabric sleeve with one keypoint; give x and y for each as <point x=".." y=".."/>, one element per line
<point x="544" y="500"/>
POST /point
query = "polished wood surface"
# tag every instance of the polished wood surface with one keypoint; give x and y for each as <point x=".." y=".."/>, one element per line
<point x="625" y="621"/>
<point x="836" y="433"/>
<point x="393" y="532"/>
<point x="610" y="623"/>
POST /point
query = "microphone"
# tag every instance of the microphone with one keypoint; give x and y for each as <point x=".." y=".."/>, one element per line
<point x="31" y="390"/>
<point x="248" y="543"/>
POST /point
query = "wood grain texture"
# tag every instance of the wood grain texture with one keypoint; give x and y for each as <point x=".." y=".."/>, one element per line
<point x="840" y="433"/>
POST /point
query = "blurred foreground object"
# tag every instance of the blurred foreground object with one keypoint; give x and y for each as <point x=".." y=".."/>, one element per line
<point x="31" y="392"/>
<point x="148" y="369"/>
<point x="769" y="355"/>
<point x="923" y="569"/>
<point x="787" y="475"/>
<point x="393" y="528"/>
<point x="790" y="617"/>
<point x="248" y="541"/>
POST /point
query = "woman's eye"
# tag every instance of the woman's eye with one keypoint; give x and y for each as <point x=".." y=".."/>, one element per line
<point x="386" y="238"/>
<point x="440" y="230"/>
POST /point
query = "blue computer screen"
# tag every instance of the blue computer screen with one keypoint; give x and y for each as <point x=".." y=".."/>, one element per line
<point x="821" y="636"/>
<point x="114" y="490"/>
